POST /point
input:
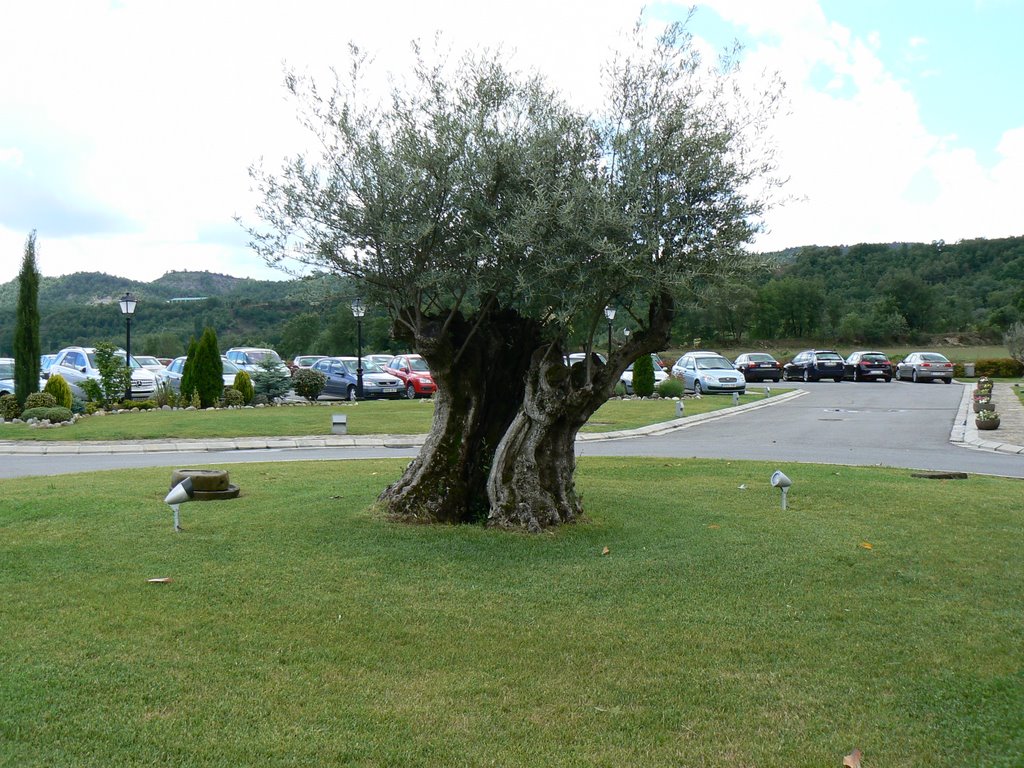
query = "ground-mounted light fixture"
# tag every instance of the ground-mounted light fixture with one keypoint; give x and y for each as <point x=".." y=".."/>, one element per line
<point x="779" y="480"/>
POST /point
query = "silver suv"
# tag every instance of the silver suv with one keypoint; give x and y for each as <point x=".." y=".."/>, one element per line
<point x="76" y="364"/>
<point x="249" y="358"/>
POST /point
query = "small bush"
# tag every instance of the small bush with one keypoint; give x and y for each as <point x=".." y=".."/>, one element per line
<point x="670" y="388"/>
<point x="1001" y="367"/>
<point x="77" y="405"/>
<point x="53" y="414"/>
<point x="9" y="407"/>
<point x="308" y="383"/>
<point x="643" y="376"/>
<point x="232" y="397"/>
<point x="260" y="399"/>
<point x="243" y="383"/>
<point x="40" y="400"/>
<point x="61" y="391"/>
<point x="93" y="392"/>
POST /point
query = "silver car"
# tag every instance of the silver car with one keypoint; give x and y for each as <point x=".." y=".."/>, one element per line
<point x="76" y="364"/>
<point x="925" y="366"/>
<point x="175" y="369"/>
<point x="708" y="372"/>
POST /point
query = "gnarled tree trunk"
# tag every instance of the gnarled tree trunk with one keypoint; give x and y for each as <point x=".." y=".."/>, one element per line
<point x="531" y="483"/>
<point x="480" y="369"/>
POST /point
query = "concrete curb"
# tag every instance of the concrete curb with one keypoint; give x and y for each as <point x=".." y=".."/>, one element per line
<point x="349" y="441"/>
<point x="966" y="434"/>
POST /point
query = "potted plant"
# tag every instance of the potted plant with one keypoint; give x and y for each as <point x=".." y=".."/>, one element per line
<point x="983" y="403"/>
<point x="984" y="385"/>
<point x="987" y="420"/>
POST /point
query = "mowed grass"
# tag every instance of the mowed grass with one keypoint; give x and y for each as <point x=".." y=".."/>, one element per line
<point x="301" y="629"/>
<point x="402" y="417"/>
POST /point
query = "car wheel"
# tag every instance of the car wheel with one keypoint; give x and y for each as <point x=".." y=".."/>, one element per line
<point x="696" y="388"/>
<point x="410" y="392"/>
<point x="888" y="379"/>
<point x="776" y="379"/>
<point x="913" y="376"/>
<point x="898" y="376"/>
<point x="838" y="379"/>
<point x="350" y="393"/>
<point x="946" y="381"/>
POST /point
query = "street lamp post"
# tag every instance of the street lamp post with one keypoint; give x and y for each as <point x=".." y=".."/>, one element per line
<point x="358" y="310"/>
<point x="609" y="312"/>
<point x="128" y="303"/>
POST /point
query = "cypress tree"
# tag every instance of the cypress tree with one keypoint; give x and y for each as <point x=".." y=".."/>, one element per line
<point x="188" y="371"/>
<point x="643" y="376"/>
<point x="26" y="326"/>
<point x="208" y="372"/>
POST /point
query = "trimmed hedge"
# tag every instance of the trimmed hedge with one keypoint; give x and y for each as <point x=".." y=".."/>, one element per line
<point x="670" y="388"/>
<point x="40" y="400"/>
<point x="9" y="408"/>
<point x="1000" y="367"/>
<point x="53" y="415"/>
<point x="57" y="386"/>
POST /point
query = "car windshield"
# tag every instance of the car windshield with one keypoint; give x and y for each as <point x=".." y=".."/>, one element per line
<point x="419" y="364"/>
<point x="712" y="363"/>
<point x="119" y="353"/>
<point x="759" y="358"/>
<point x="874" y="356"/>
<point x="934" y="357"/>
<point x="144" y="360"/>
<point x="228" y="367"/>
<point x="6" y="370"/>
<point x="260" y="356"/>
<point x="829" y="357"/>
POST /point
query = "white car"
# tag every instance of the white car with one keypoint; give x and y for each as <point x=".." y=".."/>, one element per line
<point x="76" y="364"/>
<point x="150" y="363"/>
<point x="249" y="359"/>
<point x="627" y="375"/>
<point x="706" y="372"/>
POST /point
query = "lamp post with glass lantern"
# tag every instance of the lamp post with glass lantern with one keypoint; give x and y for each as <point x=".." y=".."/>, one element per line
<point x="609" y="312"/>
<point x="128" y="303"/>
<point x="358" y="310"/>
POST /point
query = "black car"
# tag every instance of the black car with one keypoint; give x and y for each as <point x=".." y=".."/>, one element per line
<point x="814" y="364"/>
<point x="758" y="366"/>
<point x="865" y="366"/>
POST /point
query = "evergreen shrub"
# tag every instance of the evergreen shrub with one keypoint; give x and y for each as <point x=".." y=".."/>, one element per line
<point x="308" y="383"/>
<point x="57" y="386"/>
<point x="670" y="388"/>
<point x="243" y="383"/>
<point x="40" y="400"/>
<point x="232" y="397"/>
<point x="9" y="407"/>
<point x="208" y="372"/>
<point x="52" y="415"/>
<point x="643" y="376"/>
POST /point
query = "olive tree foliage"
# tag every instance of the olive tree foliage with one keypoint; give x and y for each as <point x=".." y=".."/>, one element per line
<point x="494" y="222"/>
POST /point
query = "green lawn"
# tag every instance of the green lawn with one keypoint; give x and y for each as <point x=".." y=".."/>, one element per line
<point x="879" y="612"/>
<point x="401" y="417"/>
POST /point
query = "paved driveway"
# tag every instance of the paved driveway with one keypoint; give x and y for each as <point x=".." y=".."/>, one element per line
<point x="866" y="423"/>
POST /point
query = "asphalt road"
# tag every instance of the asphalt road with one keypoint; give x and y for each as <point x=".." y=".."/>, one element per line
<point x="865" y="423"/>
<point x="894" y="424"/>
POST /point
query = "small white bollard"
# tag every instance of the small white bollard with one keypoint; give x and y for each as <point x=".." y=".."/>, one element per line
<point x="679" y="409"/>
<point x="339" y="424"/>
<point x="767" y="391"/>
<point x="735" y="398"/>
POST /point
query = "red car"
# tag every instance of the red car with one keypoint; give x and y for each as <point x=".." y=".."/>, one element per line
<point x="414" y="373"/>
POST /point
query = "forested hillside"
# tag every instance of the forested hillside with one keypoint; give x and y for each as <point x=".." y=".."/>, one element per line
<point x="860" y="293"/>
<point x="293" y="316"/>
<point x="870" y="292"/>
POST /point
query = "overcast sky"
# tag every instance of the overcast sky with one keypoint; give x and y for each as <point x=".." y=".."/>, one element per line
<point x="126" y="128"/>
